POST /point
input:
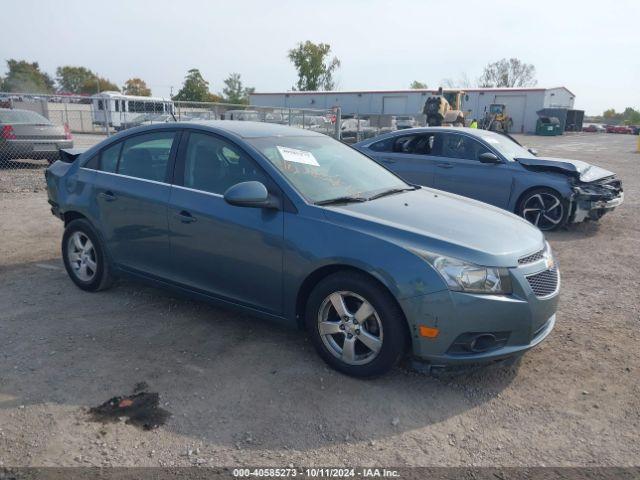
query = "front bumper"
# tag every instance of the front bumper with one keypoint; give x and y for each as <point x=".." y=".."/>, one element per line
<point x="521" y="320"/>
<point x="593" y="201"/>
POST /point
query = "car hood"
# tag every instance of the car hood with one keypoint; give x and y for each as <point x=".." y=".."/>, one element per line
<point x="581" y="170"/>
<point x="444" y="223"/>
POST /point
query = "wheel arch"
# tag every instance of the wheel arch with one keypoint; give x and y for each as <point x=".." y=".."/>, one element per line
<point x="72" y="215"/>
<point x="323" y="272"/>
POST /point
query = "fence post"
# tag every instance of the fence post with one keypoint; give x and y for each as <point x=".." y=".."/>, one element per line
<point x="106" y="116"/>
<point x="338" y="114"/>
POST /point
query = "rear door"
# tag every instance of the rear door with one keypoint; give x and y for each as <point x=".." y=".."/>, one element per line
<point x="131" y="196"/>
<point x="460" y="171"/>
<point x="413" y="156"/>
<point x="232" y="252"/>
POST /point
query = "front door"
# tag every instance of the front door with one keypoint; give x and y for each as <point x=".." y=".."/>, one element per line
<point x="131" y="195"/>
<point x="234" y="253"/>
<point x="460" y="171"/>
<point x="413" y="156"/>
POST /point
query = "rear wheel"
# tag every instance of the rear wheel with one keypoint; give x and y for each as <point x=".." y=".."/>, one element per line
<point x="355" y="325"/>
<point x="84" y="257"/>
<point x="545" y="208"/>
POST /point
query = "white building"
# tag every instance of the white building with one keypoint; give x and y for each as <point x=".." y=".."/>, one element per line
<point x="522" y="103"/>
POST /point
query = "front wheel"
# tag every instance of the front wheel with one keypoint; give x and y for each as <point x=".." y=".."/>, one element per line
<point x="545" y="208"/>
<point x="355" y="325"/>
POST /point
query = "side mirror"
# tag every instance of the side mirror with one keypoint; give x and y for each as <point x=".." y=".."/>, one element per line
<point x="250" y="194"/>
<point x="533" y="151"/>
<point x="488" y="157"/>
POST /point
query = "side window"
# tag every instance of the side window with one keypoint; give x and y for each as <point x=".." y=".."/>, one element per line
<point x="424" y="144"/>
<point x="428" y="144"/>
<point x="109" y="158"/>
<point x="146" y="156"/>
<point x="383" y="145"/>
<point x="459" y="146"/>
<point x="213" y="165"/>
<point x="403" y="144"/>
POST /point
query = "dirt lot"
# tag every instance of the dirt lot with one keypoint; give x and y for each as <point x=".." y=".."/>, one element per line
<point x="245" y="392"/>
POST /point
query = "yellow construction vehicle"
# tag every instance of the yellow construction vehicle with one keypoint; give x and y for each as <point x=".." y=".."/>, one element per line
<point x="496" y="119"/>
<point x="445" y="108"/>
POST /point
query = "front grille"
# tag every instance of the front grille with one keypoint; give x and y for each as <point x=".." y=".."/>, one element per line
<point x="534" y="257"/>
<point x="544" y="283"/>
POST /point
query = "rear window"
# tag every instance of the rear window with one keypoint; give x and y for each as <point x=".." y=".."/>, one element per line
<point x="22" y="117"/>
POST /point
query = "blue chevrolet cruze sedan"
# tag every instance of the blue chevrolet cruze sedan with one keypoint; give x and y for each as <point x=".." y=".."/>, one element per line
<point x="295" y="226"/>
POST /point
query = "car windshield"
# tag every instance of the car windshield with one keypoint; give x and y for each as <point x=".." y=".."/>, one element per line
<point x="22" y="117"/>
<point x="507" y="147"/>
<point x="323" y="169"/>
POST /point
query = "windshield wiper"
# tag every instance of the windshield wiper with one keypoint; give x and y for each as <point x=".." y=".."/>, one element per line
<point x="391" y="191"/>
<point x="344" y="199"/>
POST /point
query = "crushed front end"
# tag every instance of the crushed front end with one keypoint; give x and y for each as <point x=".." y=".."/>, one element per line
<point x="593" y="199"/>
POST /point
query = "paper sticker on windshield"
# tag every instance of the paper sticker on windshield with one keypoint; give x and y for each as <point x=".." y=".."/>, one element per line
<point x="297" y="156"/>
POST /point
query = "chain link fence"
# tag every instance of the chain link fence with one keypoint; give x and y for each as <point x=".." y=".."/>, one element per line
<point x="34" y="128"/>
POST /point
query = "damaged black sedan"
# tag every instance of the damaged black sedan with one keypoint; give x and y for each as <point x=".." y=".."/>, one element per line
<point x="496" y="169"/>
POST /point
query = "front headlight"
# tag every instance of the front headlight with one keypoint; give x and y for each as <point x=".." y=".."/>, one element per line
<point x="468" y="277"/>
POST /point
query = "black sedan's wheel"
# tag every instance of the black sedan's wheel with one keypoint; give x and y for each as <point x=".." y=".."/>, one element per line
<point x="84" y="257"/>
<point x="545" y="208"/>
<point x="355" y="325"/>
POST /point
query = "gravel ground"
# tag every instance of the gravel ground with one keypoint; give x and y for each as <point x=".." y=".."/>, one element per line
<point x="244" y="392"/>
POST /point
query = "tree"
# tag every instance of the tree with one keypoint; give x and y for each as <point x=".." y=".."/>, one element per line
<point x="416" y="85"/>
<point x="195" y="88"/>
<point x="136" y="86"/>
<point x="462" y="82"/>
<point x="71" y="79"/>
<point x="631" y="116"/>
<point x="315" y="69"/>
<point x="234" y="91"/>
<point x="98" y="84"/>
<point x="508" y="73"/>
<point x="27" y="78"/>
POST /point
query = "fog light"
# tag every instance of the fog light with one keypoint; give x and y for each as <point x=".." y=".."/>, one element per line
<point x="482" y="343"/>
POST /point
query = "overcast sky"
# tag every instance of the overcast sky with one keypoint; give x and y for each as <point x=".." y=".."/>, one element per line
<point x="591" y="47"/>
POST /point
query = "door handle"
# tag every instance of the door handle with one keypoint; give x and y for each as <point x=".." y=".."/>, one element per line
<point x="186" y="217"/>
<point x="444" y="165"/>
<point x="109" y="196"/>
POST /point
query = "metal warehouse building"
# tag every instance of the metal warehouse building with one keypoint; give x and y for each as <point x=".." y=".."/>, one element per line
<point x="522" y="103"/>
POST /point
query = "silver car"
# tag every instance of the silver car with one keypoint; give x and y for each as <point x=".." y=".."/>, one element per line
<point x="27" y="134"/>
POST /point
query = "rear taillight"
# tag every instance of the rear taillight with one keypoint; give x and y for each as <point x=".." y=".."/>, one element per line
<point x="7" y="133"/>
<point x="67" y="132"/>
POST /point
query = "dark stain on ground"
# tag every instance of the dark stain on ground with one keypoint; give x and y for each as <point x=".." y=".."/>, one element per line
<point x="141" y="409"/>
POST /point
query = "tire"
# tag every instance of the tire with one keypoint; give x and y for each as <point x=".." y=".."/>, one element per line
<point x="382" y="325"/>
<point x="545" y="208"/>
<point x="80" y="256"/>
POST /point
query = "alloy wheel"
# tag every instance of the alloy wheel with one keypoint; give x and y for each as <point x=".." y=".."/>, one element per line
<point x="81" y="254"/>
<point x="350" y="328"/>
<point x="544" y="210"/>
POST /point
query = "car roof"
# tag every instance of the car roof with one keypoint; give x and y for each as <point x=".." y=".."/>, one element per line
<point x="474" y="132"/>
<point x="254" y="129"/>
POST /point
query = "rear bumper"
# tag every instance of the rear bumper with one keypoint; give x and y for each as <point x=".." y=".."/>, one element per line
<point x="32" y="148"/>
